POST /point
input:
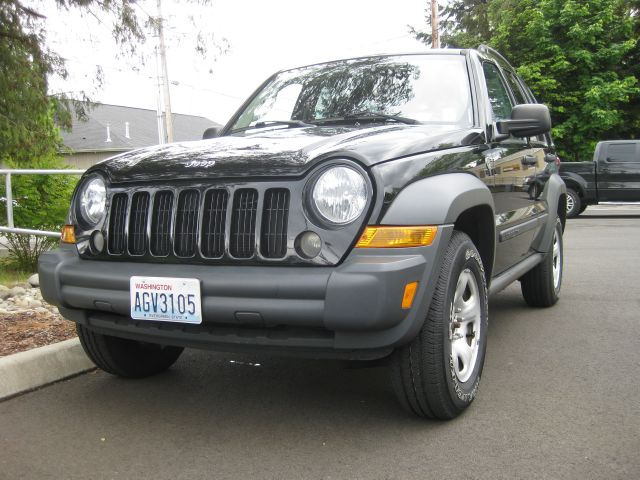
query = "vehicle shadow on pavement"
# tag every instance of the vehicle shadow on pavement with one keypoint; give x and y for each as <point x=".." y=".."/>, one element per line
<point x="216" y="392"/>
<point x="606" y="217"/>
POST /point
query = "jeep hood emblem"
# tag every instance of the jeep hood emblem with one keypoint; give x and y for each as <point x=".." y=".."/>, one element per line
<point x="200" y="164"/>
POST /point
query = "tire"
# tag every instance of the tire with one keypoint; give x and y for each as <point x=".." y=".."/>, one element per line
<point x="534" y="191"/>
<point x="582" y="209"/>
<point x="437" y="374"/>
<point x="574" y="203"/>
<point x="126" y="358"/>
<point x="541" y="285"/>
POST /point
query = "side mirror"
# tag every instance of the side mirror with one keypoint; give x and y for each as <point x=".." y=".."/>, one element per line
<point x="211" y="132"/>
<point x="527" y="120"/>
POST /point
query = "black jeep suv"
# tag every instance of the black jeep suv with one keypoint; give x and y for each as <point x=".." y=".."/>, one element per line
<point x="359" y="209"/>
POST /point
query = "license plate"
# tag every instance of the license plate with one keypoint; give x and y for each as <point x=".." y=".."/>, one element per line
<point x="165" y="299"/>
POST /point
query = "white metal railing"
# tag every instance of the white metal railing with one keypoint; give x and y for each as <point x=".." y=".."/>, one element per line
<point x="8" y="172"/>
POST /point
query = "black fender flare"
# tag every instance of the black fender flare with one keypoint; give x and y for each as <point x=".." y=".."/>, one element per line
<point x="444" y="200"/>
<point x="575" y="182"/>
<point x="438" y="200"/>
<point x="552" y="194"/>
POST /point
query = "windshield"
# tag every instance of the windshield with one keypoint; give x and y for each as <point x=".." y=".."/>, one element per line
<point x="431" y="89"/>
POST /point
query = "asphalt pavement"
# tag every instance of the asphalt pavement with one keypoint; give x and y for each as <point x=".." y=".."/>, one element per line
<point x="559" y="399"/>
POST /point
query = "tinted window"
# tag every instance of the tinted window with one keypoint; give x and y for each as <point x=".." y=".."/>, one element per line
<point x="431" y="89"/>
<point x="622" y="152"/>
<point x="498" y="96"/>
<point x="515" y="88"/>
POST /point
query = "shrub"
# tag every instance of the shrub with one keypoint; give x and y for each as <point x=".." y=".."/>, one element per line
<point x="40" y="202"/>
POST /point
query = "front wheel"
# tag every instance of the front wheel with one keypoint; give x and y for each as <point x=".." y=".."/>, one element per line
<point x="126" y="358"/>
<point x="437" y="374"/>
<point x="541" y="285"/>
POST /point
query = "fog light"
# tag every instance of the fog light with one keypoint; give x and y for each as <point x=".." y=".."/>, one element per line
<point x="97" y="242"/>
<point x="309" y="244"/>
<point x="409" y="294"/>
<point x="68" y="234"/>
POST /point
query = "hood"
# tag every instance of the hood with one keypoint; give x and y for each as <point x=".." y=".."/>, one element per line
<point x="278" y="152"/>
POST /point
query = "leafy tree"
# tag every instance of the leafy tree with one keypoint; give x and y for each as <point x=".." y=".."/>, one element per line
<point x="30" y="117"/>
<point x="576" y="57"/>
<point x="580" y="57"/>
<point x="40" y="202"/>
<point x="28" y="113"/>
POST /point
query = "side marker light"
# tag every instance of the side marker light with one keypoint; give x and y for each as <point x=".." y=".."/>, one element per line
<point x="409" y="294"/>
<point x="68" y="234"/>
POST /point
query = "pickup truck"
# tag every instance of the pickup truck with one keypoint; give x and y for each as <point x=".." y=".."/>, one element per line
<point x="612" y="176"/>
<point x="361" y="209"/>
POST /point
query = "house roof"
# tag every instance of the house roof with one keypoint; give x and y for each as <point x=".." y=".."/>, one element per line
<point x="91" y="135"/>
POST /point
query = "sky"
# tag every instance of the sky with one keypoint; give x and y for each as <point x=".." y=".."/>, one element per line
<point x="263" y="36"/>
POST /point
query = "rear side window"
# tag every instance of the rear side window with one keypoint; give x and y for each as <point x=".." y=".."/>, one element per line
<point x="622" y="153"/>
<point x="498" y="96"/>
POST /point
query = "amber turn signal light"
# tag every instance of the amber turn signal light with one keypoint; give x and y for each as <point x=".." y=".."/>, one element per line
<point x="396" y="237"/>
<point x="68" y="234"/>
<point x="409" y="294"/>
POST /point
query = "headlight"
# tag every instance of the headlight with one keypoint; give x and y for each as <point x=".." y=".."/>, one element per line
<point x="92" y="200"/>
<point x="340" y="195"/>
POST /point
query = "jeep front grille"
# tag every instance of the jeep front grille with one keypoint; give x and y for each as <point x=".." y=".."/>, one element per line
<point x="138" y="223"/>
<point x="161" y="224"/>
<point x="243" y="223"/>
<point x="213" y="223"/>
<point x="117" y="223"/>
<point x="186" y="233"/>
<point x="190" y="223"/>
<point x="273" y="242"/>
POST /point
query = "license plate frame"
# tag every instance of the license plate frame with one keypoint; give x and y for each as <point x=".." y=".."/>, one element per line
<point x="165" y="299"/>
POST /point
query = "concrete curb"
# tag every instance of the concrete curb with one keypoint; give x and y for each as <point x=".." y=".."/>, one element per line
<point x="41" y="366"/>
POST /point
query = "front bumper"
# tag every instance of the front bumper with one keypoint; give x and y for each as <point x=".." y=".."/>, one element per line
<point x="349" y="311"/>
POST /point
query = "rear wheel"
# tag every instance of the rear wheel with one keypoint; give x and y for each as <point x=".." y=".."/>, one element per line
<point x="541" y="285"/>
<point x="574" y="203"/>
<point x="438" y="373"/>
<point x="126" y="358"/>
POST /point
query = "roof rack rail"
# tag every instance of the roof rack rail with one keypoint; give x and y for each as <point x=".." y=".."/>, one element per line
<point x="487" y="49"/>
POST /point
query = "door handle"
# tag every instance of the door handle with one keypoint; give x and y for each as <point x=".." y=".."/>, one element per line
<point x="529" y="160"/>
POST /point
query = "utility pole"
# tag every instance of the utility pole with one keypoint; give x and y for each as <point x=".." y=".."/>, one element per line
<point x="435" y="39"/>
<point x="165" y="77"/>
<point x="161" y="138"/>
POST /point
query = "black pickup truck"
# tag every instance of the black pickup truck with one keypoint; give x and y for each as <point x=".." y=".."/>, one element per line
<point x="612" y="176"/>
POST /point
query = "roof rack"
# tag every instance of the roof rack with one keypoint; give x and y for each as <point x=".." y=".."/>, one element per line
<point x="487" y="49"/>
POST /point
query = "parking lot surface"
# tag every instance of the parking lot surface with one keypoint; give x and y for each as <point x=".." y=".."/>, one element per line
<point x="560" y="398"/>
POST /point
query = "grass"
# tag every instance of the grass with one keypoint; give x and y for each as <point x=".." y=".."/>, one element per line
<point x="10" y="276"/>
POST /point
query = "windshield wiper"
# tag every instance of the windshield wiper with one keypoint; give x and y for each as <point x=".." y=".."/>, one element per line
<point x="273" y="123"/>
<point x="366" y="115"/>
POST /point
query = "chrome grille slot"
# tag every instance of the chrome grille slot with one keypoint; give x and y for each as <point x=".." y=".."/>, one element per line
<point x="137" y="239"/>
<point x="213" y="223"/>
<point x="275" y="215"/>
<point x="161" y="223"/>
<point x="117" y="222"/>
<point x="186" y="231"/>
<point x="243" y="223"/>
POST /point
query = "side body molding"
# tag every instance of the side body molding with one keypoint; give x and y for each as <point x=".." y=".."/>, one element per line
<point x="438" y="200"/>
